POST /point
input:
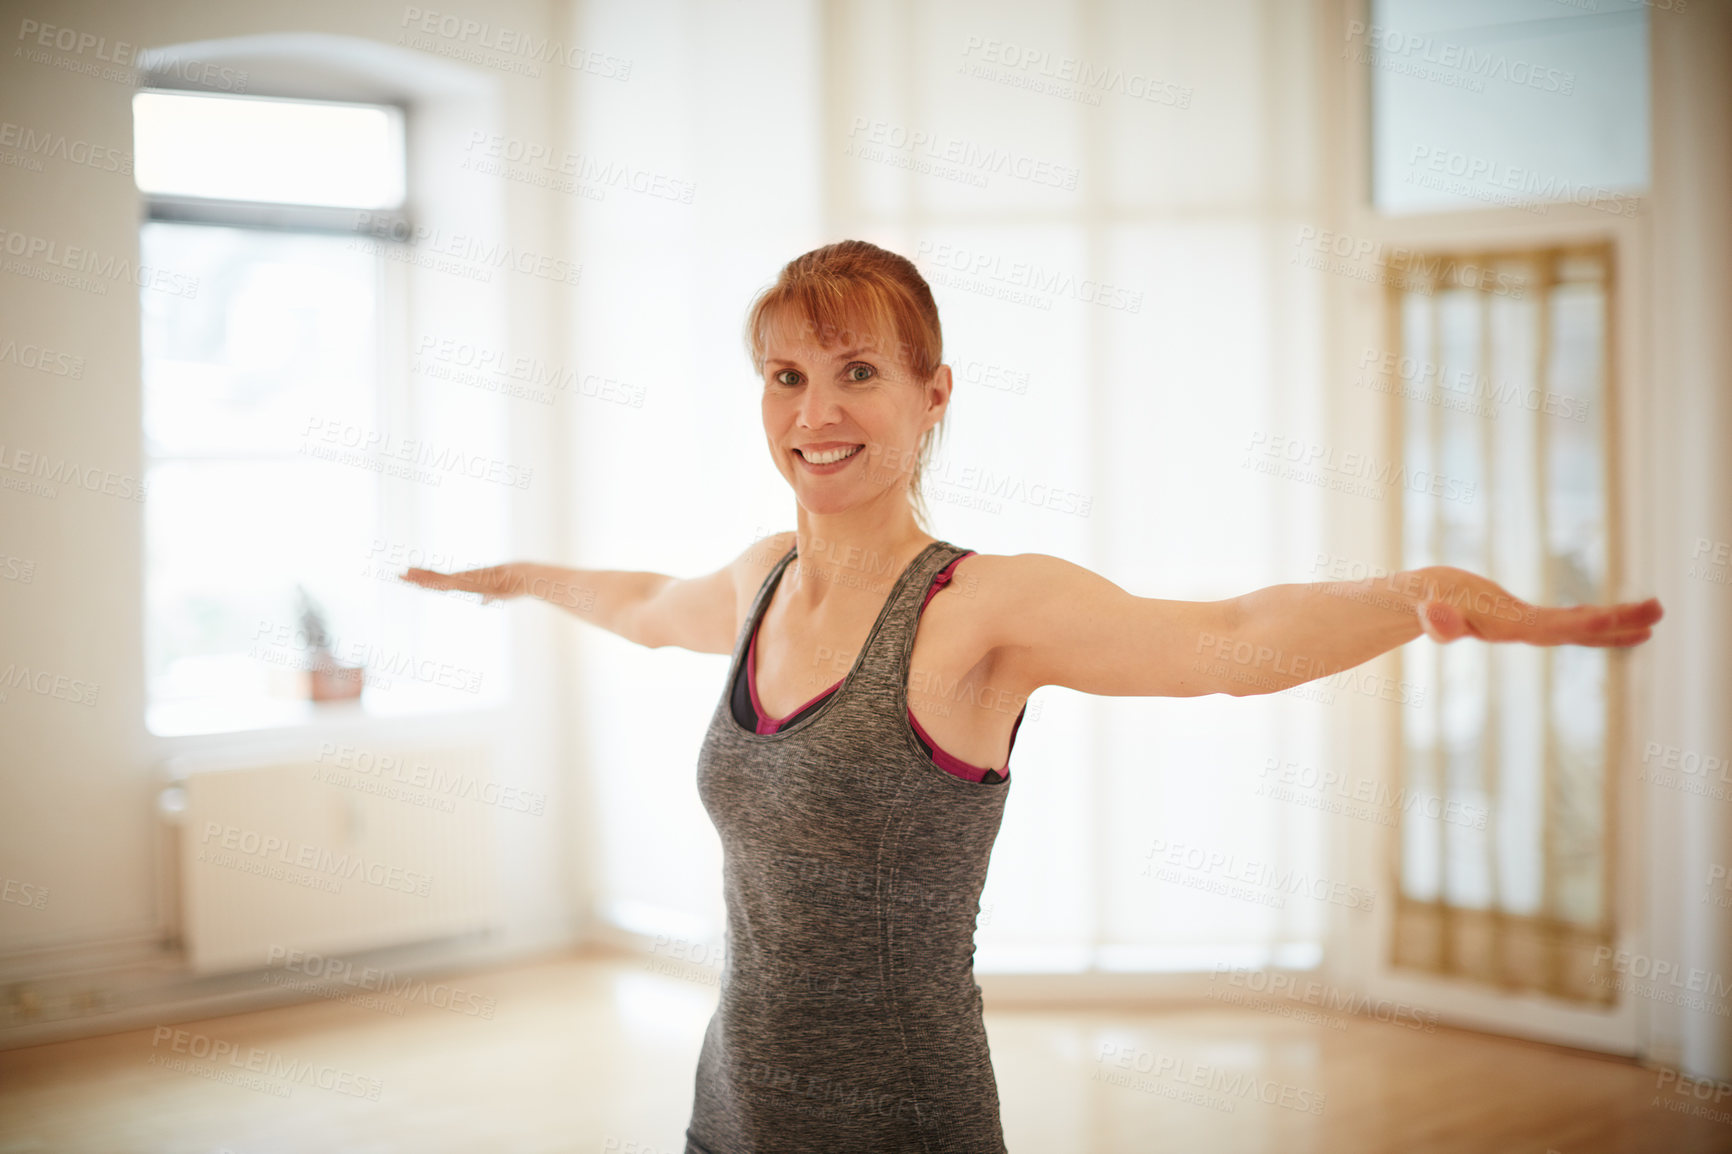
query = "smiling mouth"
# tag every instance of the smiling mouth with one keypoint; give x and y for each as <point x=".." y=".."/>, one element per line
<point x="828" y="456"/>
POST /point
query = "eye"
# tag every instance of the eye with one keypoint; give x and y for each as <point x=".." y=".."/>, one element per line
<point x="781" y="377"/>
<point x="855" y="370"/>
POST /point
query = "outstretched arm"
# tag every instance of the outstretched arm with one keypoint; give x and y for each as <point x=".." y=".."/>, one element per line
<point x="651" y="609"/>
<point x="1056" y="623"/>
<point x="1337" y="625"/>
<point x="609" y="598"/>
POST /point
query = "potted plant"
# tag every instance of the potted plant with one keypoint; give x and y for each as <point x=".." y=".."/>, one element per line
<point x="328" y="679"/>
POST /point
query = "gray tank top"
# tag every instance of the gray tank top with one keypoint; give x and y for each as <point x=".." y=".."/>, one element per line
<point x="852" y="866"/>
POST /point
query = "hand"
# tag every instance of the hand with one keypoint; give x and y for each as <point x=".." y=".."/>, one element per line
<point x="494" y="583"/>
<point x="1455" y="603"/>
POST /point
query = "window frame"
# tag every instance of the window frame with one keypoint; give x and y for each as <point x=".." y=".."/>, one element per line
<point x="1363" y="958"/>
<point x="1554" y="933"/>
<point x="392" y="394"/>
<point x="315" y="218"/>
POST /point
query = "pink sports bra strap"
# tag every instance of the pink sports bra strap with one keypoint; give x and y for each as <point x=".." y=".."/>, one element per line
<point x="945" y="760"/>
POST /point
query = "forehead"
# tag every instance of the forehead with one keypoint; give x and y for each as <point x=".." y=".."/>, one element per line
<point x="791" y="337"/>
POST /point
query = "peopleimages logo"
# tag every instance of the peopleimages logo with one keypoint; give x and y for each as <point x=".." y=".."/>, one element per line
<point x="1482" y="173"/>
<point x="581" y="167"/>
<point x="375" y="448"/>
<point x="1214" y="1079"/>
<point x="47" y="684"/>
<point x="48" y="471"/>
<point x="23" y="893"/>
<point x="376" y="772"/>
<point x="973" y="158"/>
<point x="1027" y="275"/>
<point x="1181" y="861"/>
<point x="1366" y="259"/>
<point x="473" y="36"/>
<point x="86" y="269"/>
<point x="1408" y="51"/>
<point x="1085" y="77"/>
<point x="1332" y="791"/>
<point x="1317" y="462"/>
<point x="1659" y="970"/>
<point x="41" y="359"/>
<point x="117" y="60"/>
<point x="277" y="852"/>
<point x="1280" y="987"/>
<point x="36" y="143"/>
<point x="291" y="1072"/>
<point x="1462" y="388"/>
<point x="477" y="256"/>
<point x="497" y="370"/>
<point x="336" y="970"/>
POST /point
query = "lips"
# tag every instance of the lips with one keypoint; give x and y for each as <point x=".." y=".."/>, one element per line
<point x="829" y="454"/>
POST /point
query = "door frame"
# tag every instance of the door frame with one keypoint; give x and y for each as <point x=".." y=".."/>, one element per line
<point x="1358" y="950"/>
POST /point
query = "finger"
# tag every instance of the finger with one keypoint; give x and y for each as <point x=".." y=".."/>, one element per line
<point x="1610" y="643"/>
<point x="1594" y="624"/>
<point x="1622" y="638"/>
<point x="1639" y="612"/>
<point x="1614" y="624"/>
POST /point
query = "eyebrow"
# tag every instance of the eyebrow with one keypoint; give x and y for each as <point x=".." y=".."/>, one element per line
<point x="839" y="356"/>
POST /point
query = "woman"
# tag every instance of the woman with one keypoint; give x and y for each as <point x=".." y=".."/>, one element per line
<point x="856" y="765"/>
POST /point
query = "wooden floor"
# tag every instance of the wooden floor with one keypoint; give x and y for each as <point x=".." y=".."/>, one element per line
<point x="596" y="1053"/>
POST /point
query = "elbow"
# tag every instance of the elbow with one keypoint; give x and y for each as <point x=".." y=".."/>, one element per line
<point x="637" y="627"/>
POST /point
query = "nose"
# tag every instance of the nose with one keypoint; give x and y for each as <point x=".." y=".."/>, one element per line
<point x="818" y="406"/>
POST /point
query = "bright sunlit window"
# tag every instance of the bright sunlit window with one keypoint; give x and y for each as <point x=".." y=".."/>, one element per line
<point x="281" y="151"/>
<point x="277" y="524"/>
<point x="1512" y="397"/>
<point x="1523" y="103"/>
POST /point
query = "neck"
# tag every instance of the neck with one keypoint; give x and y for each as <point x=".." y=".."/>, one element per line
<point x="853" y="553"/>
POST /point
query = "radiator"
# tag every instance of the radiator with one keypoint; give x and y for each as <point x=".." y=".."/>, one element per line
<point x="351" y="849"/>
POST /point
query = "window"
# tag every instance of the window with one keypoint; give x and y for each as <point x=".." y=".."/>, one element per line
<point x="1098" y="196"/>
<point x="265" y="151"/>
<point x="1527" y="103"/>
<point x="1505" y="410"/>
<point x="275" y="415"/>
<point x="1528" y="120"/>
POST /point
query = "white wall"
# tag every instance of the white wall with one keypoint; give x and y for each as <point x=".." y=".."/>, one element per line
<point x="721" y="101"/>
<point x="78" y="783"/>
<point x="1690" y="425"/>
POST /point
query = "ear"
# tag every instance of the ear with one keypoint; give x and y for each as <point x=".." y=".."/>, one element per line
<point x="938" y="396"/>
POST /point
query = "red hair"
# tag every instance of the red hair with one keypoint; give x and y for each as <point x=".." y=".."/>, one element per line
<point x="853" y="292"/>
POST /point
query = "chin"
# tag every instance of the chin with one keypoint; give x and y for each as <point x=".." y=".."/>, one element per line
<point x="828" y="508"/>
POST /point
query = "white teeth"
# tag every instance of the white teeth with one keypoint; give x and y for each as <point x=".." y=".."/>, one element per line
<point x="829" y="456"/>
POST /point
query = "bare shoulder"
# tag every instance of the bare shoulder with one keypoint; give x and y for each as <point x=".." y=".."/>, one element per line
<point x="1002" y="565"/>
<point x="1019" y="581"/>
<point x="1002" y="588"/>
<point x="1048" y="621"/>
<point x="1015" y="597"/>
